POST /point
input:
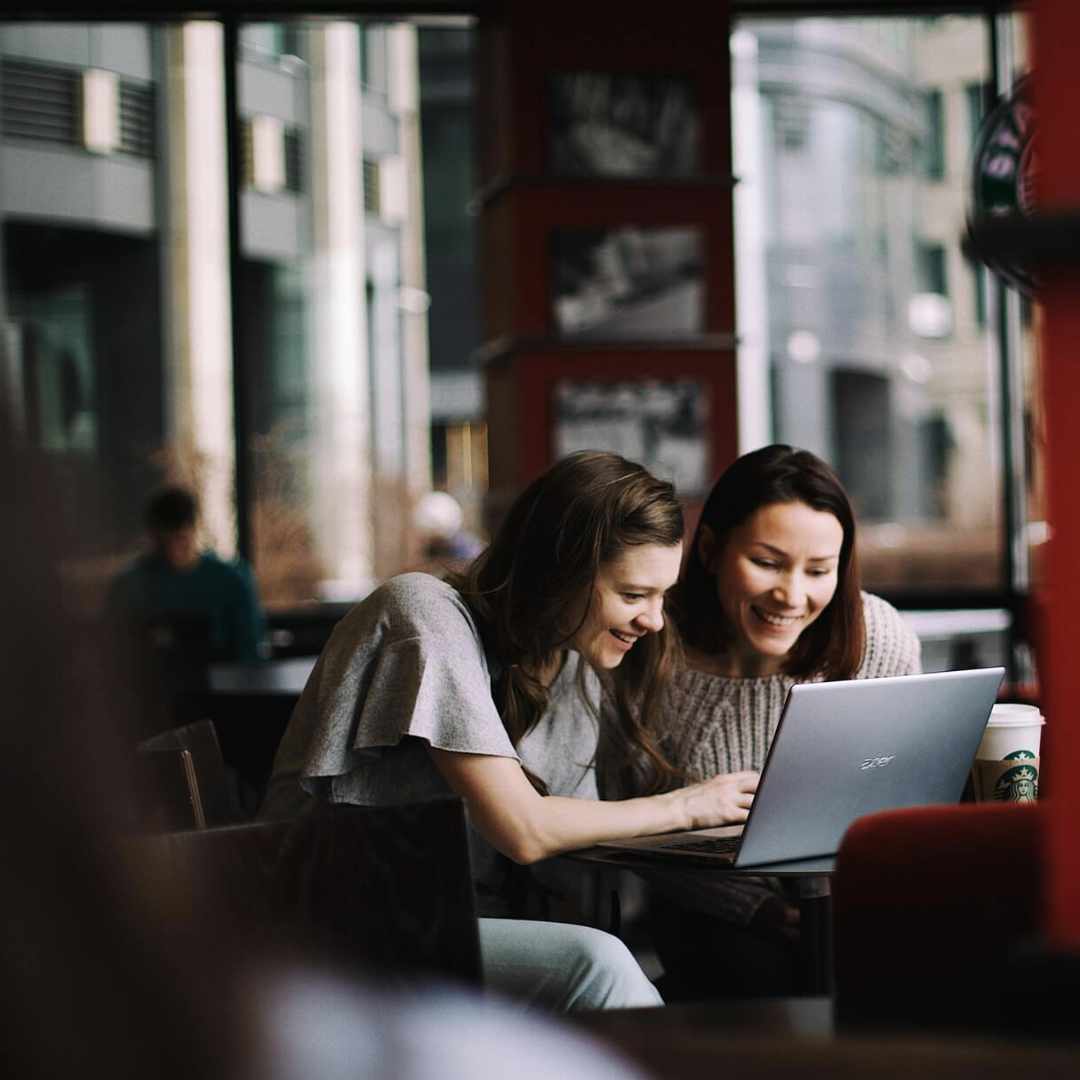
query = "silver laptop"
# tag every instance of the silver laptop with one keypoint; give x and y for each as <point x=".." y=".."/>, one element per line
<point x="842" y="750"/>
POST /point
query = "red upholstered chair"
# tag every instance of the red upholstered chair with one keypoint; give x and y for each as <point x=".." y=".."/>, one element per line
<point x="933" y="907"/>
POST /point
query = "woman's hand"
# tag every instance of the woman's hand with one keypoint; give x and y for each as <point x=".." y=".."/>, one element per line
<point x="507" y="811"/>
<point x="721" y="800"/>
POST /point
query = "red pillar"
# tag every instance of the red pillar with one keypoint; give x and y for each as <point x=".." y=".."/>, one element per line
<point x="527" y="198"/>
<point x="1056" y="29"/>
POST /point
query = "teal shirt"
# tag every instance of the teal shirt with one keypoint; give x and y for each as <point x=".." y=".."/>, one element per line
<point x="223" y="591"/>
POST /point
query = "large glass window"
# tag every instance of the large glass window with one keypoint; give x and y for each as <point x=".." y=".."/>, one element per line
<point x="128" y="308"/>
<point x="853" y="141"/>
<point x="161" y="326"/>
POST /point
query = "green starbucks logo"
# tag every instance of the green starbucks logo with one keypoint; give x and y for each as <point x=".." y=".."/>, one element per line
<point x="1021" y="782"/>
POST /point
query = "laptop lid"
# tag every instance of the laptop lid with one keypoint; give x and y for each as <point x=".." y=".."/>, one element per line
<point x="850" y="748"/>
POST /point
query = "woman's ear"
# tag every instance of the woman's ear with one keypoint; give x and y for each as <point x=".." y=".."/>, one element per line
<point x="706" y="548"/>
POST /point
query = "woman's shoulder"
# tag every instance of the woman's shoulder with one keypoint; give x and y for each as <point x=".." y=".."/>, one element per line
<point x="892" y="647"/>
<point x="878" y="612"/>
<point x="417" y="591"/>
<point x="411" y="605"/>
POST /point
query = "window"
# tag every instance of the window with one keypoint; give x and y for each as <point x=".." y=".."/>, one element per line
<point x="932" y="276"/>
<point x="875" y="359"/>
<point x="977" y="94"/>
<point x="934" y="145"/>
<point x="979" y="286"/>
<point x="145" y="340"/>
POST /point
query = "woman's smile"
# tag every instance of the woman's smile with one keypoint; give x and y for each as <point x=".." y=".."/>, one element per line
<point x="773" y="618"/>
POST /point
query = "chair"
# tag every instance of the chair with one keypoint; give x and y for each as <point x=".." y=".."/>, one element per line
<point x="169" y="798"/>
<point x="166" y="656"/>
<point x="184" y="780"/>
<point x="384" y="890"/>
<point x="934" y="908"/>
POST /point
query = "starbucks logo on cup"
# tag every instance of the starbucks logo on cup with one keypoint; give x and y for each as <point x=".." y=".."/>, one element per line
<point x="1019" y="783"/>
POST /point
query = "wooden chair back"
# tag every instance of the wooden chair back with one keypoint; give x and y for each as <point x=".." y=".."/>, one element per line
<point x="184" y="781"/>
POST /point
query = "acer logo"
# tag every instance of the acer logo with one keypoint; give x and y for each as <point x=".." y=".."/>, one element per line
<point x="876" y="762"/>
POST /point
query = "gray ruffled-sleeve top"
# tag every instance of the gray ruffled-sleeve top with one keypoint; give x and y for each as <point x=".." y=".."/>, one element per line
<point x="408" y="661"/>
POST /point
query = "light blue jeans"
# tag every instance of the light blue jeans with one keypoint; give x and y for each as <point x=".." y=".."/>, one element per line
<point x="560" y="967"/>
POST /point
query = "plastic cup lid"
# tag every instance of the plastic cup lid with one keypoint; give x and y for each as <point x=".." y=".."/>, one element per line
<point x="1008" y="715"/>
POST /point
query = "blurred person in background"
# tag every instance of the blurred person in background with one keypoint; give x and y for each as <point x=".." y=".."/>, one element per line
<point x="177" y="581"/>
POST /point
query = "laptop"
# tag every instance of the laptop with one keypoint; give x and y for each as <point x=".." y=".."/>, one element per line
<point x="843" y="750"/>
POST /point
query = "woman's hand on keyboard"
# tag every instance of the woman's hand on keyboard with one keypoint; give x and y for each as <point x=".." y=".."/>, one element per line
<point x="721" y="800"/>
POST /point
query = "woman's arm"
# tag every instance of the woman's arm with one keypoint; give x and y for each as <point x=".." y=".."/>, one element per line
<point x="526" y="826"/>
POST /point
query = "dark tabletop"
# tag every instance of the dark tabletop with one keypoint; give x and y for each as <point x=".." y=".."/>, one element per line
<point x="284" y="678"/>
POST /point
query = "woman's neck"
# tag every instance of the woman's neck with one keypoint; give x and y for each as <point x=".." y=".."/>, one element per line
<point x="548" y="671"/>
<point x="733" y="664"/>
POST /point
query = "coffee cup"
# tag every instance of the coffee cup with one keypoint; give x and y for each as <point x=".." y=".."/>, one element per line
<point x="1006" y="765"/>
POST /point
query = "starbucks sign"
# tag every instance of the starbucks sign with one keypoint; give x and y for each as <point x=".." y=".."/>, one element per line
<point x="1003" y="173"/>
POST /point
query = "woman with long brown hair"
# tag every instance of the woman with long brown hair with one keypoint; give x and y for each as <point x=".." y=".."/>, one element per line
<point x="486" y="686"/>
<point x="770" y="596"/>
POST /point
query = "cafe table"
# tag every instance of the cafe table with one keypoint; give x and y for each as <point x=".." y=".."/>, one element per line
<point x="810" y="877"/>
<point x="797" y="1038"/>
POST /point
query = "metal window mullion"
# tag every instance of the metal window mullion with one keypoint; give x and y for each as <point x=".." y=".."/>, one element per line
<point x="241" y="411"/>
<point x="1008" y="333"/>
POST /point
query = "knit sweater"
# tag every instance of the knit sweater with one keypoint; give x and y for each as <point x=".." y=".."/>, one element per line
<point x="717" y="724"/>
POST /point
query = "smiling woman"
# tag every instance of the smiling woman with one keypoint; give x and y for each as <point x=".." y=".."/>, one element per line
<point x="770" y="596"/>
<point x="485" y="685"/>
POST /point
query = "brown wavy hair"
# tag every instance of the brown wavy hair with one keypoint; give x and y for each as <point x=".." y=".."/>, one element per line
<point x="832" y="646"/>
<point x="580" y="514"/>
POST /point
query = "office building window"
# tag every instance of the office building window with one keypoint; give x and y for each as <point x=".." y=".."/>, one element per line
<point x="934" y="143"/>
<point x="979" y="284"/>
<point x="932" y="274"/>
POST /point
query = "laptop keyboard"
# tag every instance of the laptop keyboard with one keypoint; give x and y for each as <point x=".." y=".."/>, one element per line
<point x="710" y="845"/>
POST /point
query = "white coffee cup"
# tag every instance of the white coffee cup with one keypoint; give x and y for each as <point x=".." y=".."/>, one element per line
<point x="1007" y="761"/>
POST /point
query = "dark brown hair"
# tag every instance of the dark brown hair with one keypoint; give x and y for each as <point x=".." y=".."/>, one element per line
<point x="171" y="509"/>
<point x="832" y="646"/>
<point x="583" y="512"/>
